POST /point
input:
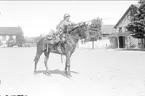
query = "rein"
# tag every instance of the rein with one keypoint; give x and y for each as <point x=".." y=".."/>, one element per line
<point x="75" y="28"/>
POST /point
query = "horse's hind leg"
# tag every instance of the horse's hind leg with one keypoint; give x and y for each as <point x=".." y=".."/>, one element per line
<point x="37" y="57"/>
<point x="46" y="53"/>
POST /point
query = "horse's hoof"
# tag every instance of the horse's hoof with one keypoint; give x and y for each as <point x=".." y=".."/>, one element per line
<point x="47" y="73"/>
<point x="65" y="73"/>
<point x="68" y="75"/>
<point x="35" y="72"/>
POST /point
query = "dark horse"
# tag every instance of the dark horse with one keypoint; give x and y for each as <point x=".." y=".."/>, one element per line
<point x="68" y="47"/>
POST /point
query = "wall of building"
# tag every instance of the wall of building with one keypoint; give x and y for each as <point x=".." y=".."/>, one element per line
<point x="132" y="42"/>
<point x="113" y="42"/>
<point x="123" y="23"/>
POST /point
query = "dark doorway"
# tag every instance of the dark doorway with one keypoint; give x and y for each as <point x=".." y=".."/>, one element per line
<point x="121" y="41"/>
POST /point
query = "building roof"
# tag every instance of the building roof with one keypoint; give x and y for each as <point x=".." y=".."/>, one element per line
<point x="30" y="39"/>
<point x="107" y="29"/>
<point x="10" y="30"/>
<point x="136" y="5"/>
<point x="120" y="34"/>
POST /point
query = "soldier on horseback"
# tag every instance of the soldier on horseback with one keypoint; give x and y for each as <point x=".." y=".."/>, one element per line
<point x="59" y="36"/>
<point x="74" y="32"/>
<point x="62" y="28"/>
<point x="65" y="22"/>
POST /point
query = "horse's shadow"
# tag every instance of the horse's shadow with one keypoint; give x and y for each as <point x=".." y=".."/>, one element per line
<point x="55" y="71"/>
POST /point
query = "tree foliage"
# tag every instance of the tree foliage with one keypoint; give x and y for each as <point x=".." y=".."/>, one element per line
<point x="95" y="29"/>
<point x="137" y="25"/>
<point x="20" y="40"/>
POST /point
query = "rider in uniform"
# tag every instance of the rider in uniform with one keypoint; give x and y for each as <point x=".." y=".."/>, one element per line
<point x="63" y="25"/>
<point x="61" y="30"/>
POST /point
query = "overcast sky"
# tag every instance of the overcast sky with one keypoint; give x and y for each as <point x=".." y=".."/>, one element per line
<point x="39" y="17"/>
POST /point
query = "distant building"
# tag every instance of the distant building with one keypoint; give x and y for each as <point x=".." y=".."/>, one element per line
<point x="30" y="42"/>
<point x="9" y="35"/>
<point x="107" y="30"/>
<point x="122" y="37"/>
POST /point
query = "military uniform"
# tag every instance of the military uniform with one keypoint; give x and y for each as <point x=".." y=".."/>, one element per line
<point x="62" y="24"/>
<point x="60" y="29"/>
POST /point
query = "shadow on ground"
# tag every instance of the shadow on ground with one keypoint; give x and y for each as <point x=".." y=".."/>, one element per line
<point x="55" y="71"/>
<point x="130" y="49"/>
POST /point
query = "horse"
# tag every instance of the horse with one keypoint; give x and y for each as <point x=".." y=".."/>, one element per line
<point x="67" y="50"/>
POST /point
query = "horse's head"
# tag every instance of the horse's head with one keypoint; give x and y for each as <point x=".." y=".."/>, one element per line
<point x="82" y="31"/>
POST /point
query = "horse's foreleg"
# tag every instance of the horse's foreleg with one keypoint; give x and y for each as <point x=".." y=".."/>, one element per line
<point x="46" y="53"/>
<point x="67" y="65"/>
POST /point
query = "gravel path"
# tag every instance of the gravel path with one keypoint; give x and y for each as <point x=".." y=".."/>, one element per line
<point x="96" y="72"/>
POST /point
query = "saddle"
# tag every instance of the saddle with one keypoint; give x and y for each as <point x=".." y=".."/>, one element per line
<point x="55" y="40"/>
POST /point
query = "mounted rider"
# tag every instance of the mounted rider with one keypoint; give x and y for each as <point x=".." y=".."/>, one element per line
<point x="62" y="27"/>
<point x="61" y="30"/>
<point x="65" y="22"/>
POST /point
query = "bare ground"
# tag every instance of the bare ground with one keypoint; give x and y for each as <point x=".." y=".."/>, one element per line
<point x="96" y="72"/>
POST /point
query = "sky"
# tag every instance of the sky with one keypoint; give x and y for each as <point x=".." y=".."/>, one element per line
<point x="39" y="17"/>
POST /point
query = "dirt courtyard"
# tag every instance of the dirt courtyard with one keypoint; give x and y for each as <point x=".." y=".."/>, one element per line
<point x="96" y="72"/>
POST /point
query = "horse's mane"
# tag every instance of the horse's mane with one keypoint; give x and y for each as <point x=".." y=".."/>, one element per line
<point x="70" y="31"/>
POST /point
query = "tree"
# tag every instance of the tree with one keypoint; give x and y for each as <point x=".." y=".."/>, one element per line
<point x="137" y="25"/>
<point x="95" y="30"/>
<point x="20" y="40"/>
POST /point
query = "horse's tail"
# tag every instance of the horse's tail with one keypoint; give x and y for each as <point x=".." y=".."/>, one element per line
<point x="40" y="47"/>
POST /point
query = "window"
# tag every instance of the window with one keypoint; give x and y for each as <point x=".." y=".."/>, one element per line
<point x="120" y="29"/>
<point x="125" y="29"/>
<point x="4" y="38"/>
